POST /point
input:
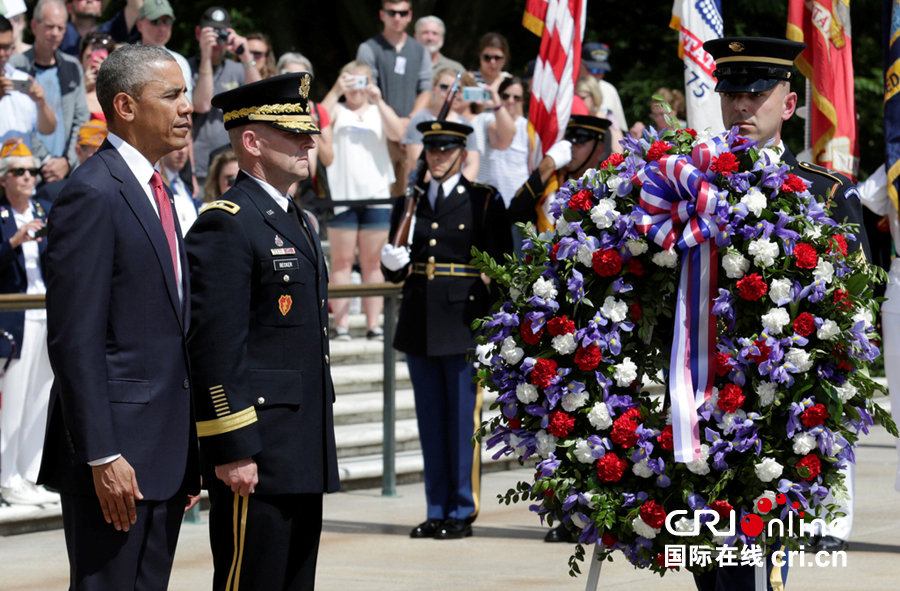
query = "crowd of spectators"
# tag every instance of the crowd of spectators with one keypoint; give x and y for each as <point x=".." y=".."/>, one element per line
<point x="368" y="145"/>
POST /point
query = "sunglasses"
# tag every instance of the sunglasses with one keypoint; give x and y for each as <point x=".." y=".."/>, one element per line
<point x="163" y="20"/>
<point x="444" y="86"/>
<point x="506" y="96"/>
<point x="492" y="58"/>
<point x="259" y="54"/>
<point x="98" y="39"/>
<point x="596" y="70"/>
<point x="393" y="13"/>
<point x="21" y="171"/>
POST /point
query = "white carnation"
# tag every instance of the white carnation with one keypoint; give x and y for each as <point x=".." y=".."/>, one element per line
<point x="573" y="401"/>
<point x="803" y="443"/>
<point x="846" y="392"/>
<point x="577" y="521"/>
<point x="585" y="255"/>
<point x="700" y="466"/>
<point x="776" y="320"/>
<point x="642" y="469"/>
<point x="780" y="289"/>
<point x="768" y="470"/>
<point x="863" y="315"/>
<point x="735" y="265"/>
<point x="755" y="201"/>
<point x="510" y="353"/>
<point x="666" y="258"/>
<point x="800" y="359"/>
<point x="614" y="309"/>
<point x="703" y="135"/>
<point x="514" y="293"/>
<point x="514" y="442"/>
<point x="613" y="183"/>
<point x="642" y="529"/>
<point x="728" y="419"/>
<point x="766" y="393"/>
<point x="564" y="344"/>
<point x="812" y="232"/>
<point x="824" y="271"/>
<point x="636" y="247"/>
<point x="828" y="330"/>
<point x="583" y="452"/>
<point x="546" y="443"/>
<point x="599" y="416"/>
<point x="526" y="393"/>
<point x="544" y="289"/>
<point x="764" y="252"/>
<point x="563" y="228"/>
<point x="625" y="373"/>
<point x="767" y="494"/>
<point x="684" y="525"/>
<point x="772" y="154"/>
<point x="599" y="213"/>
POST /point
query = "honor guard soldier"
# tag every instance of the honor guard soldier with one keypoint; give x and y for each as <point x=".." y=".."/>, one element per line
<point x="442" y="295"/>
<point x="258" y="346"/>
<point x="754" y="82"/>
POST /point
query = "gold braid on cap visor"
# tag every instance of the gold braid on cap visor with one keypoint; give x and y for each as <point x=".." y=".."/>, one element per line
<point x="276" y="114"/>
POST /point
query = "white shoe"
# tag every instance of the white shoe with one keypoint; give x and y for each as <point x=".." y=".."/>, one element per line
<point x="22" y="494"/>
<point x="47" y="497"/>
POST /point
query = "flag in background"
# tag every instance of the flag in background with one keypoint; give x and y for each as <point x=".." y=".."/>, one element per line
<point x="698" y="21"/>
<point x="891" y="35"/>
<point x="827" y="62"/>
<point x="560" y="24"/>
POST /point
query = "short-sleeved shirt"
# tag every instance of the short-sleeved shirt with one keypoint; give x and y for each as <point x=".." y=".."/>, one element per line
<point x="209" y="128"/>
<point x="414" y="136"/>
<point x="401" y="76"/>
<point x="18" y="113"/>
<point x="48" y="78"/>
<point x="445" y="62"/>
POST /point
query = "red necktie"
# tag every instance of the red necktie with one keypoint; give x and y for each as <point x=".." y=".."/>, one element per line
<point x="165" y="216"/>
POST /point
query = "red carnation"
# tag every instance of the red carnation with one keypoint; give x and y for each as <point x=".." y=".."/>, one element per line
<point x="611" y="467"/>
<point x="805" y="324"/>
<point x="814" y="415"/>
<point x="635" y="267"/>
<point x="812" y="463"/>
<point x="544" y="371"/>
<point x="553" y="252"/>
<point x="658" y="150"/>
<point x="561" y="424"/>
<point x="560" y="326"/>
<point x="614" y="161"/>
<point x="635" y="310"/>
<point x="731" y="398"/>
<point x="726" y="163"/>
<point x="764" y="351"/>
<point x="581" y="200"/>
<point x="793" y="184"/>
<point x="609" y="541"/>
<point x="588" y="358"/>
<point x="752" y="287"/>
<point x="653" y="515"/>
<point x="514" y="423"/>
<point x="665" y="439"/>
<point x="723" y="363"/>
<point x="739" y="141"/>
<point x="723" y="508"/>
<point x="842" y="300"/>
<point x="623" y="429"/>
<point x="532" y="338"/>
<point x="661" y="561"/>
<point x="839" y="241"/>
<point x="606" y="262"/>
<point x="807" y="257"/>
<point x="692" y="132"/>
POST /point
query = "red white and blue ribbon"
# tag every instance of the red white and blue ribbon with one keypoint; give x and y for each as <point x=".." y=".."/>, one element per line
<point x="680" y="205"/>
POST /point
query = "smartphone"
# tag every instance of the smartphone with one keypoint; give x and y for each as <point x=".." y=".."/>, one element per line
<point x="39" y="233"/>
<point x="476" y="93"/>
<point x="22" y="85"/>
<point x="98" y="55"/>
<point x="360" y="82"/>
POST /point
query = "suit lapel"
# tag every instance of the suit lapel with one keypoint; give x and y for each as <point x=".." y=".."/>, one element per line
<point x="454" y="200"/>
<point x="137" y="199"/>
<point x="278" y="219"/>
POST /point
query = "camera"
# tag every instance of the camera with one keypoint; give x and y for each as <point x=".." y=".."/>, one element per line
<point x="360" y="82"/>
<point x="221" y="36"/>
<point x="476" y="93"/>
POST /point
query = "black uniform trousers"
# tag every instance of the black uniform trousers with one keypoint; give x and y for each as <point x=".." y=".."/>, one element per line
<point x="103" y="559"/>
<point x="743" y="578"/>
<point x="288" y="527"/>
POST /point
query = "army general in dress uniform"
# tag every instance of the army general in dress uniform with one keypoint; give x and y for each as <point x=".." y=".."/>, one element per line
<point x="258" y="346"/>
<point x="442" y="295"/>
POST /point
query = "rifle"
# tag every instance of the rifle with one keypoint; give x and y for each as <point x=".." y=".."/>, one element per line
<point x="417" y="175"/>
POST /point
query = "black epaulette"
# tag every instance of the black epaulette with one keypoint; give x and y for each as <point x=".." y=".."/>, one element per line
<point x="228" y="206"/>
<point x="833" y="175"/>
<point x="490" y="189"/>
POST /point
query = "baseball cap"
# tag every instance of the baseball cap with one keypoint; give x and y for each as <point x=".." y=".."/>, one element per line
<point x="216" y="17"/>
<point x="154" y="9"/>
<point x="595" y="56"/>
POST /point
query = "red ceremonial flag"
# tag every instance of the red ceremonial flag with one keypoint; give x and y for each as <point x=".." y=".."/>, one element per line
<point x="827" y="62"/>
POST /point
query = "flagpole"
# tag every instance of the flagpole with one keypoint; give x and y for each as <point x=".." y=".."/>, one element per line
<point x="807" y="125"/>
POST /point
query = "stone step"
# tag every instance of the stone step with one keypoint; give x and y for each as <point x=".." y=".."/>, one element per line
<point x="368" y="407"/>
<point x="357" y="325"/>
<point x="359" y="350"/>
<point x="366" y="377"/>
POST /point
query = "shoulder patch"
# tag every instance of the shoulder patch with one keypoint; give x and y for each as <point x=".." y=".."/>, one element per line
<point x="228" y="206"/>
<point x="835" y="176"/>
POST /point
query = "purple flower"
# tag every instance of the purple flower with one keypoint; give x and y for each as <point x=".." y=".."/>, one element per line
<point x="724" y="305"/>
<point x="576" y="286"/>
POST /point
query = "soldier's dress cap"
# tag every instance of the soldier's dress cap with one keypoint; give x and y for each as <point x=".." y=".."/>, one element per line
<point x="585" y="128"/>
<point x="443" y="135"/>
<point x="280" y="101"/>
<point x="752" y="64"/>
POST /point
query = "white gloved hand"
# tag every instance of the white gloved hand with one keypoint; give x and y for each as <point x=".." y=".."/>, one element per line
<point x="393" y="257"/>
<point x="484" y="353"/>
<point x="561" y="153"/>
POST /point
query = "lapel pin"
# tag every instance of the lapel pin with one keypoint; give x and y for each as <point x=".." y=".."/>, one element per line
<point x="270" y="212"/>
<point x="460" y="189"/>
<point x="4" y="213"/>
<point x="278" y="240"/>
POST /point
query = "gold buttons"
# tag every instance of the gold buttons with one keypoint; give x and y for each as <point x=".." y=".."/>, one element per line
<point x="462" y="226"/>
<point x="287" y="278"/>
<point x="432" y="242"/>
<point x="471" y="298"/>
<point x="434" y="225"/>
<point x="430" y="259"/>
<point x="460" y="190"/>
<point x="327" y="359"/>
<point x="325" y="330"/>
<point x="260" y="401"/>
<point x="322" y="304"/>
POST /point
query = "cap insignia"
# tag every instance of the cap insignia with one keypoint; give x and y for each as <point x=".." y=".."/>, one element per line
<point x="435" y="126"/>
<point x="736" y="47"/>
<point x="304" y="87"/>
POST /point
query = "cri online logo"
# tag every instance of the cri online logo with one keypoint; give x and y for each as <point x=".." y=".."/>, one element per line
<point x="752" y="525"/>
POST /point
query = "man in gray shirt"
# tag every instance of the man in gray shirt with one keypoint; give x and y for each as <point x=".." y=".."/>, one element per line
<point x="402" y="69"/>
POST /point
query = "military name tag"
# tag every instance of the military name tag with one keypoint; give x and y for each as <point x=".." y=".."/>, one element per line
<point x="282" y="251"/>
<point x="286" y="264"/>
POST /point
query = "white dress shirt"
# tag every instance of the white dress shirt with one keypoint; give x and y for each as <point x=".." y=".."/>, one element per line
<point x="184" y="205"/>
<point x="31" y="254"/>
<point x="281" y="200"/>
<point x="449" y="184"/>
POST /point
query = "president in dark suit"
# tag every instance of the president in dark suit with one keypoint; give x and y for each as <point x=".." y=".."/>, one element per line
<point x="259" y="349"/>
<point x="121" y="442"/>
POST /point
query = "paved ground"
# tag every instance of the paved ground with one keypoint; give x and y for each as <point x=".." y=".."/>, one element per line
<point x="366" y="546"/>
